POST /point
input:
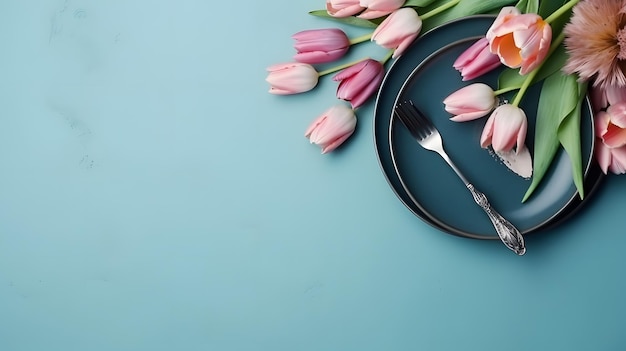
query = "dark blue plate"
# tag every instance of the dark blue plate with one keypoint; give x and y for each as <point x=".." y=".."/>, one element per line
<point x="425" y="183"/>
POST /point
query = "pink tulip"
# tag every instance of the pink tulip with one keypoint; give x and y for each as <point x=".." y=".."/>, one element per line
<point x="610" y="147"/>
<point x="520" y="40"/>
<point x="359" y="81"/>
<point x="611" y="159"/>
<point x="470" y="102"/>
<point x="379" y="8"/>
<point x="398" y="30"/>
<point x="320" y="45"/>
<point x="505" y="128"/>
<point x="343" y="8"/>
<point x="602" y="97"/>
<point x="476" y="60"/>
<point x="291" y="78"/>
<point x="332" y="128"/>
<point x="611" y="125"/>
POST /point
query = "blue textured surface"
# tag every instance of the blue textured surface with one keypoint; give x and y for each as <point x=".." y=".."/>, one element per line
<point x="154" y="196"/>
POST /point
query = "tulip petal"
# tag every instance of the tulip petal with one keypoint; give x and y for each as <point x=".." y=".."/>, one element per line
<point x="613" y="131"/>
<point x="343" y="8"/>
<point x="534" y="51"/>
<point x="516" y="23"/>
<point x="602" y="120"/>
<point x="367" y="92"/>
<point x="334" y="144"/>
<point x="508" y="52"/>
<point x="603" y="155"/>
<point x="391" y="5"/>
<point x="506" y="13"/>
<point x="504" y="135"/>
<point x="373" y="14"/>
<point x="316" y="57"/>
<point x="483" y="63"/>
<point x="471" y="53"/>
<point x="350" y="71"/>
<point x="521" y="135"/>
<point x="467" y="116"/>
<point x="485" y="137"/>
<point x="403" y="45"/>
<point x="618" y="160"/>
<point x="614" y="136"/>
<point x="617" y="113"/>
<point x="318" y="121"/>
<point x="528" y="40"/>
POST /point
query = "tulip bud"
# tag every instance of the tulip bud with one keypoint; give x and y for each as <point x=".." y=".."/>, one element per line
<point x="359" y="81"/>
<point x="398" y="30"/>
<point x="470" y="102"/>
<point x="506" y="128"/>
<point x="332" y="128"/>
<point x="476" y="60"/>
<point x="291" y="78"/>
<point x="320" y="45"/>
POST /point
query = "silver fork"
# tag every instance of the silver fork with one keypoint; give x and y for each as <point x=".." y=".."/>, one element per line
<point x="429" y="138"/>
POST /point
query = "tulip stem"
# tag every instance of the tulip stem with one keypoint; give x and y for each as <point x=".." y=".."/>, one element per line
<point x="361" y="39"/>
<point x="439" y="9"/>
<point x="561" y="10"/>
<point x="504" y="90"/>
<point x="340" y="67"/>
<point x="531" y="76"/>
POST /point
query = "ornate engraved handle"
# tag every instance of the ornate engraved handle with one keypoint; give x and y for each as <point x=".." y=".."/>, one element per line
<point x="510" y="236"/>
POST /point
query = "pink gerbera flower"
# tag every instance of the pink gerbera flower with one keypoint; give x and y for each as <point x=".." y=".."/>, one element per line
<point x="596" y="42"/>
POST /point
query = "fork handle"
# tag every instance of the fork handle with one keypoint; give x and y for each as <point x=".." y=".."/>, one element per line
<point x="510" y="236"/>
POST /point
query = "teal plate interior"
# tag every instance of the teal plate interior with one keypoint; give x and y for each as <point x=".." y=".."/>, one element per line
<point x="425" y="183"/>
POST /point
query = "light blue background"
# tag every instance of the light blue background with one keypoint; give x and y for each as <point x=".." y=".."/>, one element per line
<point x="154" y="196"/>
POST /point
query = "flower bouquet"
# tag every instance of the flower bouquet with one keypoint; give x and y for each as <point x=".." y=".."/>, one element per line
<point x="571" y="48"/>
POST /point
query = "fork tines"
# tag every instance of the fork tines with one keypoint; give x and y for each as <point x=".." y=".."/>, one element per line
<point x="415" y="121"/>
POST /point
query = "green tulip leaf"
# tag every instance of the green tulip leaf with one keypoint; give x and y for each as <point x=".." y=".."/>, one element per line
<point x="462" y="9"/>
<point x="546" y="8"/>
<point x="569" y="136"/>
<point x="418" y="3"/>
<point x="559" y="99"/>
<point x="354" y="21"/>
<point x="528" y="6"/>
<point x="510" y="78"/>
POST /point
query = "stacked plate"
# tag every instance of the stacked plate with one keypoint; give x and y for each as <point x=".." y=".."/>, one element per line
<point x="427" y="185"/>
